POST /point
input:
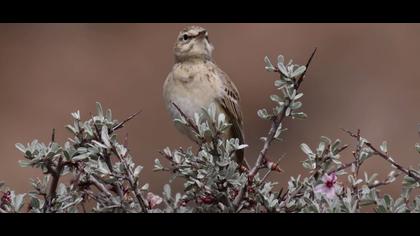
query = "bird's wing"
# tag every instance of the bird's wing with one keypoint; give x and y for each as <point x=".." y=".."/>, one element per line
<point x="229" y="100"/>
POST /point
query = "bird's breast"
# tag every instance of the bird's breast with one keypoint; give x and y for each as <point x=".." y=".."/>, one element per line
<point x="191" y="88"/>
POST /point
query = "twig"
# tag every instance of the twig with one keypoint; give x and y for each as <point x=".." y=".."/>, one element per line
<point x="271" y="169"/>
<point x="122" y="123"/>
<point x="132" y="182"/>
<point x="276" y="123"/>
<point x="190" y="123"/>
<point x="53" y="135"/>
<point x="385" y="182"/>
<point x="345" y="166"/>
<point x="100" y="186"/>
<point x="388" y="159"/>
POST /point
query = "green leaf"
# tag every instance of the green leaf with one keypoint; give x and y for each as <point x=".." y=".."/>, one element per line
<point x="105" y="136"/>
<point x="299" y="115"/>
<point x="99" y="109"/>
<point x="278" y="131"/>
<point x="418" y="147"/>
<point x="298" y="71"/>
<point x="81" y="156"/>
<point x="20" y="147"/>
<point x="24" y="164"/>
<point x="306" y="149"/>
<point x="262" y="113"/>
<point x="275" y="98"/>
<point x="384" y="147"/>
<point x="167" y="191"/>
<point x="18" y="201"/>
<point x="268" y="65"/>
<point x="335" y="145"/>
<point x="137" y="171"/>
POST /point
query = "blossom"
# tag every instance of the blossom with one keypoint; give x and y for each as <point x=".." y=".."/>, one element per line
<point x="327" y="187"/>
<point x="153" y="200"/>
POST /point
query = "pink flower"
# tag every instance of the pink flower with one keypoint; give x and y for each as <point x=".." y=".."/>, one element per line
<point x="153" y="200"/>
<point x="327" y="188"/>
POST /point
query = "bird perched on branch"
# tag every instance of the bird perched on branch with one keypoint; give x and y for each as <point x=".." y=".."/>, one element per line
<point x="196" y="81"/>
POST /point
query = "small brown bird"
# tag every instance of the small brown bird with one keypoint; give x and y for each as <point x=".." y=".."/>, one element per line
<point x="196" y="81"/>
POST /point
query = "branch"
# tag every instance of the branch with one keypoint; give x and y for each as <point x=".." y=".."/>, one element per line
<point x="276" y="123"/>
<point x="190" y="123"/>
<point x="388" y="159"/>
<point x="132" y="182"/>
<point x="122" y="123"/>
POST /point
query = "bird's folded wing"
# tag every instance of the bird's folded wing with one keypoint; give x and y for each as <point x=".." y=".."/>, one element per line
<point x="230" y="103"/>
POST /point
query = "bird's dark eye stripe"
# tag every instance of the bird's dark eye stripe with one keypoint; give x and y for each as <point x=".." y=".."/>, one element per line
<point x="185" y="37"/>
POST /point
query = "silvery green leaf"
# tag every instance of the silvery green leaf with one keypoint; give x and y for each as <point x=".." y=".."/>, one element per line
<point x="220" y="120"/>
<point x="72" y="129"/>
<point x="280" y="59"/>
<point x="298" y="96"/>
<point x="177" y="157"/>
<point x="167" y="151"/>
<point x="145" y="187"/>
<point x="158" y="165"/>
<point x="24" y="164"/>
<point x="76" y="115"/>
<point x="335" y="145"/>
<point x="137" y="171"/>
<point x="108" y="115"/>
<point x="20" y="147"/>
<point x="262" y="113"/>
<point x="283" y="69"/>
<point x="268" y="65"/>
<point x="99" y="109"/>
<point x="299" y="115"/>
<point x="212" y="112"/>
<point x="61" y="189"/>
<point x="18" y="201"/>
<point x="418" y="147"/>
<point x="35" y="203"/>
<point x="103" y="168"/>
<point x="358" y="181"/>
<point x="275" y="98"/>
<point x="288" y="111"/>
<point x="99" y="144"/>
<point x="167" y="191"/>
<point x="298" y="71"/>
<point x="321" y="148"/>
<point x="105" y="137"/>
<point x="279" y="83"/>
<point x="325" y="139"/>
<point x="387" y="199"/>
<point x="242" y="146"/>
<point x="81" y="157"/>
<point x="197" y="119"/>
<point x="384" y="147"/>
<point x="306" y="149"/>
<point x="278" y="131"/>
<point x="295" y="105"/>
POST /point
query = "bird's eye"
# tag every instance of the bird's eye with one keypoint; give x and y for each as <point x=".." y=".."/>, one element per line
<point x="185" y="37"/>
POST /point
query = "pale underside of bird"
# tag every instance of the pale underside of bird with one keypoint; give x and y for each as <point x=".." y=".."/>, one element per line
<point x="195" y="82"/>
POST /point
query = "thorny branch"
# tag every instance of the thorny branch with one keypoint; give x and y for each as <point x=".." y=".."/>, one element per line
<point x="270" y="137"/>
<point x="387" y="158"/>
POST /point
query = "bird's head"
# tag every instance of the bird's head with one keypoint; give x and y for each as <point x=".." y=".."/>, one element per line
<point x="193" y="43"/>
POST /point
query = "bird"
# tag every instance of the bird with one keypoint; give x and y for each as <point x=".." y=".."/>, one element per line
<point x="195" y="82"/>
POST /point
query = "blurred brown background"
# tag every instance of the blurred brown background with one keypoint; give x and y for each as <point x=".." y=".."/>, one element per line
<point x="364" y="76"/>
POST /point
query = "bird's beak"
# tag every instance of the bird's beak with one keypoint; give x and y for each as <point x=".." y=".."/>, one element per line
<point x="202" y="34"/>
